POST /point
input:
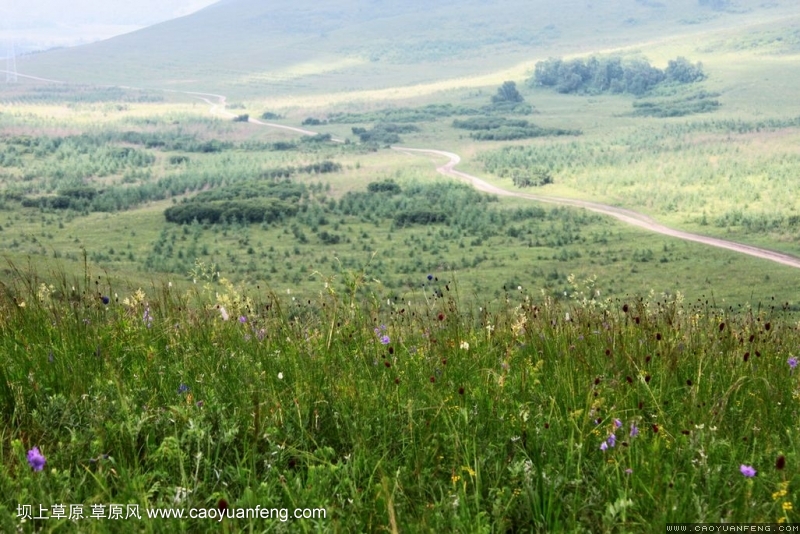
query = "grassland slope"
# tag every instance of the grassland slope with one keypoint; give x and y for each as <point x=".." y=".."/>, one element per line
<point x="246" y="47"/>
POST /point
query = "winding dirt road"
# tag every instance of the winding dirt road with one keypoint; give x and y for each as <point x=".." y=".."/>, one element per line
<point x="627" y="216"/>
<point x="448" y="169"/>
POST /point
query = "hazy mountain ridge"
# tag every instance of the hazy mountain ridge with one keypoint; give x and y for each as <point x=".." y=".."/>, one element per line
<point x="345" y="45"/>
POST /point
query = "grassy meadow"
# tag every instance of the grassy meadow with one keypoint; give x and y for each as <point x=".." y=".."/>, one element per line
<point x="423" y="415"/>
<point x="201" y="313"/>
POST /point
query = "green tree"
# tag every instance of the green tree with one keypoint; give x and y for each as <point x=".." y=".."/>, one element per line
<point x="507" y="93"/>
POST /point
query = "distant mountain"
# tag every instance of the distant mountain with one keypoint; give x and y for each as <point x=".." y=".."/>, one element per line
<point x="255" y="47"/>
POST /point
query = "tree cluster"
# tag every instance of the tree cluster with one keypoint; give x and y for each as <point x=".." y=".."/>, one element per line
<point x="701" y="102"/>
<point x="383" y="133"/>
<point x="612" y="75"/>
<point x="249" y="203"/>
<point x="503" y="129"/>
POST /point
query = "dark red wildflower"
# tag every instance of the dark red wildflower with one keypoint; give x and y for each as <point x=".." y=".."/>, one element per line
<point x="780" y="462"/>
<point x="461" y="390"/>
<point x="441" y="317"/>
<point x="397" y="380"/>
<point x="689" y="382"/>
<point x="222" y="505"/>
<point x="387" y="364"/>
<point x="658" y="336"/>
<point x="629" y="379"/>
<point x="625" y="308"/>
<point x="647" y="379"/>
<point x="746" y="356"/>
<point x="433" y="379"/>
<point x="655" y="428"/>
<point x="767" y="326"/>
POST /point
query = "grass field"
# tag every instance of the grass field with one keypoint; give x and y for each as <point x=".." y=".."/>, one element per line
<point x="418" y="416"/>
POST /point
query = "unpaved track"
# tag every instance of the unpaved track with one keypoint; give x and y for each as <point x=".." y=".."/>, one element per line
<point x="219" y="109"/>
<point x="631" y="217"/>
<point x="627" y="216"/>
<point x="448" y="169"/>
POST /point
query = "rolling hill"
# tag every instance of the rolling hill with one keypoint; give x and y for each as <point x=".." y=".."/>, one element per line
<point x="252" y="48"/>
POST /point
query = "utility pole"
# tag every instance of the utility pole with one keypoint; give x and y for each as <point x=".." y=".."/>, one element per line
<point x="11" y="63"/>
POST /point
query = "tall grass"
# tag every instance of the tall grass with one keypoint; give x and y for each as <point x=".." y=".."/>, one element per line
<point x="434" y="414"/>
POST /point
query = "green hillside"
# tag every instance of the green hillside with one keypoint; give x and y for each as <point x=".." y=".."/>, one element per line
<point x="253" y="48"/>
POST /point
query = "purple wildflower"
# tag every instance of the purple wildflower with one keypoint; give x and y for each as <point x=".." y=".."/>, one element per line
<point x="430" y="277"/>
<point x="105" y="300"/>
<point x="617" y="423"/>
<point x="385" y="339"/>
<point x="36" y="459"/>
<point x="242" y="319"/>
<point x="747" y="471"/>
<point x="604" y="446"/>
<point x="634" y="430"/>
<point x="792" y="362"/>
<point x="147" y="318"/>
<point x="612" y="440"/>
<point x="183" y="388"/>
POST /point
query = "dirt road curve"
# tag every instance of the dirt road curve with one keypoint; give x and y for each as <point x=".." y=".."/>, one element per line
<point x="219" y="109"/>
<point x="627" y="216"/>
<point x="448" y="169"/>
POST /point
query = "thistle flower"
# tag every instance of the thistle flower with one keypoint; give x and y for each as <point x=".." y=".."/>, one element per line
<point x="36" y="459"/>
<point x="747" y="471"/>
